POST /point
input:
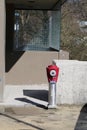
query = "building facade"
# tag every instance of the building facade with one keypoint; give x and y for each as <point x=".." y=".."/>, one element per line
<point x="24" y="62"/>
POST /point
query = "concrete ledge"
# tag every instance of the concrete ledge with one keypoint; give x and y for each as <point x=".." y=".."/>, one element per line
<point x="25" y="96"/>
<point x="72" y="82"/>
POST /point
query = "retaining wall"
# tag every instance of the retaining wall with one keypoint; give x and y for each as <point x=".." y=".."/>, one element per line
<point x="72" y="82"/>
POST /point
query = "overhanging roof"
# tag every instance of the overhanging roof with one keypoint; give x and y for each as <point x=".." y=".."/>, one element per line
<point x="36" y="4"/>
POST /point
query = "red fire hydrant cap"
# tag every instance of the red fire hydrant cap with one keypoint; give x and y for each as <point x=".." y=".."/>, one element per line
<point x="52" y="73"/>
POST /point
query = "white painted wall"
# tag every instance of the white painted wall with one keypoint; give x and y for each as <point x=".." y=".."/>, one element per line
<point x="72" y="82"/>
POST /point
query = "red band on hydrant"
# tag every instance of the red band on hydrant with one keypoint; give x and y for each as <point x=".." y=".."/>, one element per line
<point x="52" y="73"/>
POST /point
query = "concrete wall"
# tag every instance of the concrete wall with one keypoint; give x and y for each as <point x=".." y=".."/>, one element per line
<point x="2" y="47"/>
<point x="30" y="67"/>
<point x="72" y="82"/>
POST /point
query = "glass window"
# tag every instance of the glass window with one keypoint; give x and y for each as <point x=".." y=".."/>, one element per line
<point x="36" y="30"/>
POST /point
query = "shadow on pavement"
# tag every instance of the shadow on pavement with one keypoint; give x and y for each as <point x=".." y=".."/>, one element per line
<point x="37" y="94"/>
<point x="82" y="120"/>
<point x="31" y="102"/>
<point x="20" y="121"/>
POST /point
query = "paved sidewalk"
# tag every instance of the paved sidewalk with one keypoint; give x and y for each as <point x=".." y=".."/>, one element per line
<point x="36" y="118"/>
<point x="25" y="108"/>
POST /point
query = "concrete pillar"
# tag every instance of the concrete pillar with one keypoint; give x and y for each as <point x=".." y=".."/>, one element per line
<point x="2" y="48"/>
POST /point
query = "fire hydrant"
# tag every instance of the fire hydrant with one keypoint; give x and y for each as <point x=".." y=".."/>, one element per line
<point x="52" y="75"/>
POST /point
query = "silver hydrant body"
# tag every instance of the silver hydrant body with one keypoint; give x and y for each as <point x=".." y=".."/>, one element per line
<point x="52" y="74"/>
<point x="52" y="95"/>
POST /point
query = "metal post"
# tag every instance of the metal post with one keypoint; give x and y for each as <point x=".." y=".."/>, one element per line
<point x="52" y="95"/>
